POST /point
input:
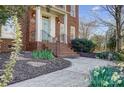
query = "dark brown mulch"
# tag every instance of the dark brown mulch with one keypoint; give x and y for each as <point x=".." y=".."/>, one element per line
<point x="24" y="68"/>
<point x="90" y="55"/>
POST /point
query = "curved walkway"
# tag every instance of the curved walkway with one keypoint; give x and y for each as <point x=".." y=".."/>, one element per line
<point x="74" y="76"/>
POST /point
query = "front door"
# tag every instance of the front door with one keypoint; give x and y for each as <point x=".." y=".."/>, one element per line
<point x="45" y="28"/>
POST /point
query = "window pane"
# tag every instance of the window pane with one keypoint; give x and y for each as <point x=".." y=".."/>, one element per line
<point x="72" y="10"/>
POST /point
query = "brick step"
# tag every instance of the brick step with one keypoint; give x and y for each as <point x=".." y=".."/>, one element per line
<point x="63" y="51"/>
<point x="66" y="48"/>
<point x="66" y="51"/>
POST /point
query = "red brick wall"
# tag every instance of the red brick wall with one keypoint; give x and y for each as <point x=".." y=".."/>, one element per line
<point x="72" y="21"/>
<point x="5" y="45"/>
<point x="28" y="28"/>
<point x="24" y="28"/>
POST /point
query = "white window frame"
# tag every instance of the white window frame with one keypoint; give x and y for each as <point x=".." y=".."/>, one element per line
<point x="7" y="31"/>
<point x="72" y="10"/>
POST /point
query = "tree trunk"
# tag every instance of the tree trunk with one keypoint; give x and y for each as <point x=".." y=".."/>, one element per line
<point x="118" y="28"/>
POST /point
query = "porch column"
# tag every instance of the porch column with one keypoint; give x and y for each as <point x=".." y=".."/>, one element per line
<point x="65" y="26"/>
<point x="38" y="24"/>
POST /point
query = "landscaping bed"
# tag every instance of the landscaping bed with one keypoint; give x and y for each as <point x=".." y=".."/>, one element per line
<point x="90" y="55"/>
<point x="27" y="67"/>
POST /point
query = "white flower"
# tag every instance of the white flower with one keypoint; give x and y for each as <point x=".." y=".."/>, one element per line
<point x="119" y="81"/>
<point x="115" y="76"/>
<point x="121" y="68"/>
<point x="105" y="83"/>
<point x="96" y="73"/>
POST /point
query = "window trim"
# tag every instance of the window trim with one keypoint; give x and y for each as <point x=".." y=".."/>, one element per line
<point x="72" y="10"/>
<point x="8" y="33"/>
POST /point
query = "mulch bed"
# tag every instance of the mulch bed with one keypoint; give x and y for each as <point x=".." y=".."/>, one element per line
<point x="90" y="55"/>
<point x="27" y="68"/>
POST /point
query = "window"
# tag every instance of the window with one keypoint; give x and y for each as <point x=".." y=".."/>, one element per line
<point x="72" y="10"/>
<point x="62" y="33"/>
<point x="72" y="32"/>
<point x="8" y="30"/>
<point x="45" y="28"/>
<point x="9" y="26"/>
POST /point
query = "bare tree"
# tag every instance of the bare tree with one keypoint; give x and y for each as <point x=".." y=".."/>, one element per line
<point x="99" y="40"/>
<point x="86" y="28"/>
<point x="117" y="13"/>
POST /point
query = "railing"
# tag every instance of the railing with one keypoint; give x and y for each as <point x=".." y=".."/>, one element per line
<point x="63" y="37"/>
<point x="53" y="40"/>
<point x="47" y="37"/>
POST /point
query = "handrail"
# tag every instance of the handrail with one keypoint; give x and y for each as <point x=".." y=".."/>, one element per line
<point x="50" y="37"/>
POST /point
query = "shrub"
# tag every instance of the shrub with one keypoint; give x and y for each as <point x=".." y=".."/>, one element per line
<point x="115" y="56"/>
<point x="82" y="45"/>
<point x="111" y="44"/>
<point x="106" y="77"/>
<point x="43" y="54"/>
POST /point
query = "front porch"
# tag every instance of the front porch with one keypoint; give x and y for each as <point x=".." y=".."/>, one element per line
<point x="48" y="29"/>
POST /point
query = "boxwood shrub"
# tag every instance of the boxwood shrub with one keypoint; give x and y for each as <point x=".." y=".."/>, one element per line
<point x="114" y="56"/>
<point x="83" y="45"/>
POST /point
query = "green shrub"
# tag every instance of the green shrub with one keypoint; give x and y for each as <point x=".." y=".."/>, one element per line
<point x="111" y="44"/>
<point x="43" y="54"/>
<point x="106" y="77"/>
<point x="115" y="56"/>
<point x="83" y="45"/>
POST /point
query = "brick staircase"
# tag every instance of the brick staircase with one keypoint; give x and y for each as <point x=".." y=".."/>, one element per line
<point x="66" y="51"/>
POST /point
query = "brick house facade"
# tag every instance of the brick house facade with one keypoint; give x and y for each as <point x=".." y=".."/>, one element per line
<point x="47" y="26"/>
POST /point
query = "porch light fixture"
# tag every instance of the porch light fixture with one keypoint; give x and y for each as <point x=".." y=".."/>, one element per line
<point x="58" y="20"/>
<point x="33" y="14"/>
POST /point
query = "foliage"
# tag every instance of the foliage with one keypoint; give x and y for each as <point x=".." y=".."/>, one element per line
<point x="17" y="43"/>
<point x="7" y="12"/>
<point x="86" y="27"/>
<point x="116" y="56"/>
<point x="116" y="13"/>
<point x="99" y="40"/>
<point x="106" y="77"/>
<point x="111" y="44"/>
<point x="82" y="45"/>
<point x="43" y="54"/>
<point x="13" y="12"/>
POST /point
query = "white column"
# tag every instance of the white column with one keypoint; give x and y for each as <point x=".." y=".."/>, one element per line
<point x="65" y="23"/>
<point x="38" y="24"/>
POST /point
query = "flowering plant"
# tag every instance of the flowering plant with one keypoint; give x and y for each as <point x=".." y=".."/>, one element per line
<point x="107" y="77"/>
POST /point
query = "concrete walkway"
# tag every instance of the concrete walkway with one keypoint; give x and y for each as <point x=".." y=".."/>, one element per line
<point x="75" y="76"/>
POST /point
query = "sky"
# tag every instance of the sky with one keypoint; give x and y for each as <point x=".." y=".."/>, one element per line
<point x="88" y="12"/>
